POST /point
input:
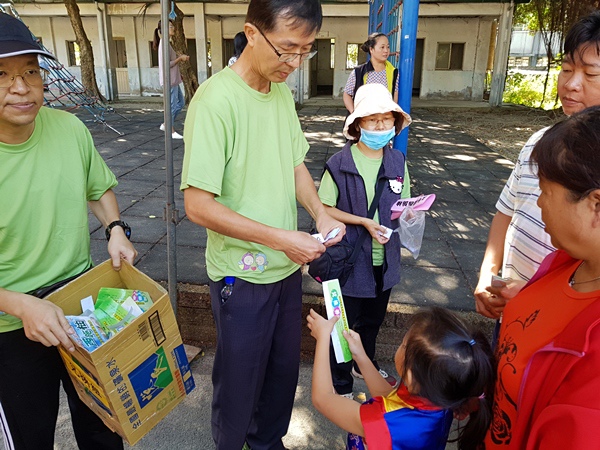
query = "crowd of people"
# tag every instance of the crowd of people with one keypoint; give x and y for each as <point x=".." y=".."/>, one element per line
<point x="535" y="386"/>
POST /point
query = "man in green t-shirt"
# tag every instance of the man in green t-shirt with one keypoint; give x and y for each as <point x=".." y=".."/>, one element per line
<point x="243" y="171"/>
<point x="49" y="173"/>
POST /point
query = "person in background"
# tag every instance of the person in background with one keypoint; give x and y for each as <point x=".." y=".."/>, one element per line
<point x="377" y="70"/>
<point x="347" y="190"/>
<point x="177" y="98"/>
<point x="447" y="371"/>
<point x="548" y="352"/>
<point x="517" y="241"/>
<point x="243" y="172"/>
<point x="239" y="44"/>
<point x="50" y="172"/>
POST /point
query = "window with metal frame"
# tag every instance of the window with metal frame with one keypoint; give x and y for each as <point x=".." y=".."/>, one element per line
<point x="449" y="56"/>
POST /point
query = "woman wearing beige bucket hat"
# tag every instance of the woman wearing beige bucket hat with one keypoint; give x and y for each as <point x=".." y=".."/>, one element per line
<point x="347" y="189"/>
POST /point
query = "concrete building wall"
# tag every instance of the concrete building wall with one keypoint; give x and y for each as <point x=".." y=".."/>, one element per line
<point x="141" y="42"/>
<point x="231" y="26"/>
<point x="468" y="83"/>
<point x="347" y="30"/>
<point x="457" y="23"/>
<point x="343" y="29"/>
<point x="62" y="32"/>
<point x="144" y="33"/>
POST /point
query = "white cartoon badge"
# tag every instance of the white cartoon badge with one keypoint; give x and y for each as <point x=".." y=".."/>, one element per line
<point x="396" y="185"/>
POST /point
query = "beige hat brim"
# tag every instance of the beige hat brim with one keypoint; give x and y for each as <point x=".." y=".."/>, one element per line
<point x="373" y="101"/>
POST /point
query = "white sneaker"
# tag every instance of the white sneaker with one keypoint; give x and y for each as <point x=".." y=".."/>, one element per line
<point x="162" y="127"/>
<point x="349" y="395"/>
<point x="391" y="380"/>
<point x="383" y="373"/>
<point x="176" y="135"/>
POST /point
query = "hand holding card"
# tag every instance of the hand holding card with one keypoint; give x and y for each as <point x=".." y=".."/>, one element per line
<point x="332" y="234"/>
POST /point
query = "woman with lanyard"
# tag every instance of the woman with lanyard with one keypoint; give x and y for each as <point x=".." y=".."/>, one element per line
<point x="377" y="70"/>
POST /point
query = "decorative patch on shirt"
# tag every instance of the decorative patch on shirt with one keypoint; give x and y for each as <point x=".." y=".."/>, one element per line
<point x="253" y="262"/>
<point x="261" y="261"/>
<point x="396" y="185"/>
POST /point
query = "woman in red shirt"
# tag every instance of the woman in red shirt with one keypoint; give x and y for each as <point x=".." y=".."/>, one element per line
<point x="548" y="390"/>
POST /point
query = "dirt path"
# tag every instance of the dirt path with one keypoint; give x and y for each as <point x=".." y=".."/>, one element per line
<point x="504" y="129"/>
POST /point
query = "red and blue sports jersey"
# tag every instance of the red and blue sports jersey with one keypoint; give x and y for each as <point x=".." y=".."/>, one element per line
<point x="402" y="421"/>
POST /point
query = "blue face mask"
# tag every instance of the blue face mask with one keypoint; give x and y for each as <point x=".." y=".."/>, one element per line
<point x="376" y="139"/>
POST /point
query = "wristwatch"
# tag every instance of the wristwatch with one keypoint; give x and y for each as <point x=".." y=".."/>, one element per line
<point x="119" y="223"/>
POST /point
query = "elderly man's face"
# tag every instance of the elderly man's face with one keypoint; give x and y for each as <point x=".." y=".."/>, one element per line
<point x="579" y="80"/>
<point x="287" y="37"/>
<point x="20" y="102"/>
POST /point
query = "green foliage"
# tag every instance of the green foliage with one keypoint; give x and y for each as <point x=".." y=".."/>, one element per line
<point x="351" y="56"/>
<point x="525" y="14"/>
<point x="553" y="18"/>
<point x="527" y="88"/>
<point x="552" y="15"/>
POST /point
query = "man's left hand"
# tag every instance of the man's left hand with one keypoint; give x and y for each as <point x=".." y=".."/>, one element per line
<point x="325" y="224"/>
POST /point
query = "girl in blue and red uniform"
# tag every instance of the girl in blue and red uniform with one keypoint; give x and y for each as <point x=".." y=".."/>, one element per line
<point x="447" y="371"/>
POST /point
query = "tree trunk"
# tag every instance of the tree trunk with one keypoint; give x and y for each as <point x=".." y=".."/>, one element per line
<point x="179" y="43"/>
<point x="550" y="56"/>
<point x="88" y="73"/>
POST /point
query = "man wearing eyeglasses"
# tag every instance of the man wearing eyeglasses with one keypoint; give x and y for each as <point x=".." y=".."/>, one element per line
<point x="243" y="171"/>
<point x="49" y="173"/>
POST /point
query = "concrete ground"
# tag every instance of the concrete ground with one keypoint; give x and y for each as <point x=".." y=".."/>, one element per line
<point x="187" y="427"/>
<point x="465" y="175"/>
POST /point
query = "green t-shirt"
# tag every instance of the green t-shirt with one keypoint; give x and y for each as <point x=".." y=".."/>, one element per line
<point x="243" y="145"/>
<point x="46" y="183"/>
<point x="368" y="169"/>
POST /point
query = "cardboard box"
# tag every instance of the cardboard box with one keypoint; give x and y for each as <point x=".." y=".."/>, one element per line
<point x="138" y="376"/>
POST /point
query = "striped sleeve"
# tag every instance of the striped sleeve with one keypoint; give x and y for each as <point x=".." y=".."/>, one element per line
<point x="526" y="242"/>
<point x="507" y="202"/>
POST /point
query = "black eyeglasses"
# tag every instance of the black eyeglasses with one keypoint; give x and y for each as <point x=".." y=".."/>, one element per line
<point x="288" y="57"/>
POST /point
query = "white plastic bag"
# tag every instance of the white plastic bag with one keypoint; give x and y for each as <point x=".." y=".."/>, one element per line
<point x="412" y="227"/>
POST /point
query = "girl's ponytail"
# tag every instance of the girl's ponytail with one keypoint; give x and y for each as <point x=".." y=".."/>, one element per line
<point x="453" y="367"/>
<point x="471" y="436"/>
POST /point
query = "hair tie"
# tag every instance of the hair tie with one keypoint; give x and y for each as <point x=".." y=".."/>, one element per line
<point x="472" y="342"/>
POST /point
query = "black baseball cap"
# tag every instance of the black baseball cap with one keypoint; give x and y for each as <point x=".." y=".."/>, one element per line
<point x="16" y="39"/>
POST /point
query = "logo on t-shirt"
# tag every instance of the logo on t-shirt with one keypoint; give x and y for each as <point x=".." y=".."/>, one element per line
<point x="254" y="262"/>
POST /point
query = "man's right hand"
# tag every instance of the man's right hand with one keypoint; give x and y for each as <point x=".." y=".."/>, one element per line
<point x="485" y="304"/>
<point x="45" y="322"/>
